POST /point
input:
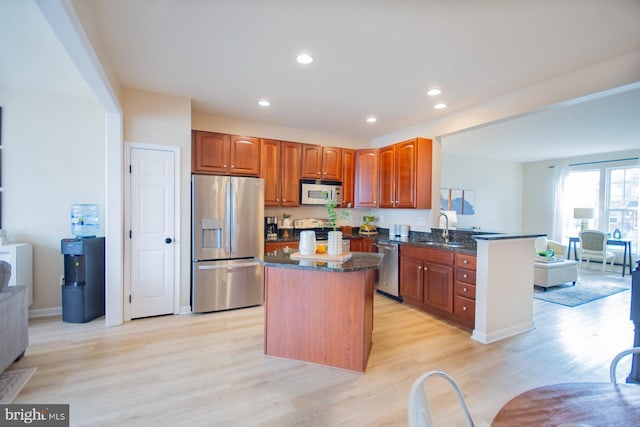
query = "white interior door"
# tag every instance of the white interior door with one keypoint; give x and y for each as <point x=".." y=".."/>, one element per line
<point x="152" y="232"/>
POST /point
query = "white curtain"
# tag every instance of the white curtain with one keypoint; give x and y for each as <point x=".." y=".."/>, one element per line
<point x="561" y="212"/>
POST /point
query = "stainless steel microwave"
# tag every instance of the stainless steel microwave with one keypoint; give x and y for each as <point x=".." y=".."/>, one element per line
<point x="317" y="192"/>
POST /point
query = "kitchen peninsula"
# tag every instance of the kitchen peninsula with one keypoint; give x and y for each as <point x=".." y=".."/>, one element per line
<point x="320" y="312"/>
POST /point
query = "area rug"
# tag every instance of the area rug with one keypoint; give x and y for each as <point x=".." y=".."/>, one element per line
<point x="581" y="293"/>
<point x="12" y="381"/>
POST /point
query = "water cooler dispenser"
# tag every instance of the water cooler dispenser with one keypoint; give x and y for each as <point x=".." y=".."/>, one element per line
<point x="83" y="288"/>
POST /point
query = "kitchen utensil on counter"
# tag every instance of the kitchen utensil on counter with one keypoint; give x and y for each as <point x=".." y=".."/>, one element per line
<point x="307" y="244"/>
<point x="271" y="227"/>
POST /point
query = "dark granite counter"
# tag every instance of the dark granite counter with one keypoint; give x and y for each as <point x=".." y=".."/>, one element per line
<point x="462" y="242"/>
<point x="359" y="261"/>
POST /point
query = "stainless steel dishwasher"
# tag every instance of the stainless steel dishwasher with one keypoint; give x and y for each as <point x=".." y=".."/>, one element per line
<point x="388" y="283"/>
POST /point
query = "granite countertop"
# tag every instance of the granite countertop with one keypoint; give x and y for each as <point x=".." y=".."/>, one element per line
<point x="358" y="261"/>
<point x="426" y="240"/>
<point x="467" y="247"/>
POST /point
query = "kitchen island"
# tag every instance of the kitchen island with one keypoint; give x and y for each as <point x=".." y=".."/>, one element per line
<point x="320" y="312"/>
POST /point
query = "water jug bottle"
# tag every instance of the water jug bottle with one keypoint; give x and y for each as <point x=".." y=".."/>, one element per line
<point x="85" y="220"/>
<point x="307" y="242"/>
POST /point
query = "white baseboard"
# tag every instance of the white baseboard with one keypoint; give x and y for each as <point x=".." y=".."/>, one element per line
<point x="186" y="309"/>
<point x="45" y="312"/>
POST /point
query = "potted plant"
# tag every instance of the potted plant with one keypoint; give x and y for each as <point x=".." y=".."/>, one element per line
<point x="366" y="227"/>
<point x="286" y="221"/>
<point x="335" y="236"/>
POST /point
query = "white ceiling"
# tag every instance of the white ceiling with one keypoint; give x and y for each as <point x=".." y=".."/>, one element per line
<point x="603" y="125"/>
<point x="373" y="57"/>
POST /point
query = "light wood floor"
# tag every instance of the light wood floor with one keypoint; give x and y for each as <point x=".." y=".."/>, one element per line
<point x="209" y="370"/>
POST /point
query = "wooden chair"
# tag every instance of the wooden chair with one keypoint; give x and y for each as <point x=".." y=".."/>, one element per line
<point x="593" y="245"/>
<point x="616" y="360"/>
<point x="419" y="410"/>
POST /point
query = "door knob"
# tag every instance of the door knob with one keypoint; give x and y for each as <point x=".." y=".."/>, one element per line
<point x="168" y="240"/>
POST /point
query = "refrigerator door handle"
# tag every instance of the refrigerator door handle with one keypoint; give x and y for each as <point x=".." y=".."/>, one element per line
<point x="229" y="218"/>
<point x="228" y="267"/>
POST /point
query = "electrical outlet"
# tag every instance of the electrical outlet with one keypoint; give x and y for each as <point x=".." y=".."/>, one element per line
<point x="61" y="279"/>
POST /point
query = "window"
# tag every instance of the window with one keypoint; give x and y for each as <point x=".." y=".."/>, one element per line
<point x="612" y="191"/>
<point x="622" y="201"/>
<point x="582" y="191"/>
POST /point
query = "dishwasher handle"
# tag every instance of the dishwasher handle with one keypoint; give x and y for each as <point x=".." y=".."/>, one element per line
<point x="387" y="246"/>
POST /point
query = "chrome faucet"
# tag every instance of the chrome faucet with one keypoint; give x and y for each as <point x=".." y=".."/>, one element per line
<point x="445" y="233"/>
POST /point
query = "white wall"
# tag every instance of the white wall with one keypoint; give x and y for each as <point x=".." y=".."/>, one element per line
<point x="498" y="190"/>
<point x="52" y="157"/>
<point x="154" y="118"/>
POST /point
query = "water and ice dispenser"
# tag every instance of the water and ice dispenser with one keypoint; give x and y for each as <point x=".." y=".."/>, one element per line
<point x="83" y="288"/>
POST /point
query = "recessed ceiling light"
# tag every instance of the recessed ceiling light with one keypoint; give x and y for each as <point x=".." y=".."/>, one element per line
<point x="304" y="58"/>
<point x="371" y="119"/>
<point x="434" y="92"/>
<point x="440" y="106"/>
<point x="264" y="103"/>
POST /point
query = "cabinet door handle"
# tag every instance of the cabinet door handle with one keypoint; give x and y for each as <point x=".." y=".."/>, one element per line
<point x="419" y="268"/>
<point x="231" y="166"/>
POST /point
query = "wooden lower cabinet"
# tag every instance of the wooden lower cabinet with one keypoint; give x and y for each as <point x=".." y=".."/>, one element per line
<point x="431" y="280"/>
<point x="464" y="306"/>
<point x="274" y="246"/>
<point x="363" y="244"/>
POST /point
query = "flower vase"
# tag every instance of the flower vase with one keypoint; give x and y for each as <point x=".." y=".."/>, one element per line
<point x="334" y="245"/>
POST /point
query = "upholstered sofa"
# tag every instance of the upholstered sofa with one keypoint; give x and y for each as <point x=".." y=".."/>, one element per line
<point x="556" y="272"/>
<point x="14" y="319"/>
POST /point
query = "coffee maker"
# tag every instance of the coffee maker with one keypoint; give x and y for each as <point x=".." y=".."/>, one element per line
<point x="271" y="227"/>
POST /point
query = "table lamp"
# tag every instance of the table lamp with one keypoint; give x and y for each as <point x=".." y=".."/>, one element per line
<point x="583" y="214"/>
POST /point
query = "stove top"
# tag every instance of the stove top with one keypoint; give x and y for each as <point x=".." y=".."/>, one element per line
<point x="319" y="225"/>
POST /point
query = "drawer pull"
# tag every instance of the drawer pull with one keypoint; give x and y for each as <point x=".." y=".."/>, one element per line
<point x="464" y="289"/>
<point x="465" y="275"/>
<point x="464" y="308"/>
<point x="465" y="261"/>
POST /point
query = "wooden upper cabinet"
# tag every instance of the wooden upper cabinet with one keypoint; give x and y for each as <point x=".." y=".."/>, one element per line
<point x="244" y="155"/>
<point x="320" y="162"/>
<point x="280" y="169"/>
<point x="405" y="174"/>
<point x="291" y="153"/>
<point x="311" y="161"/>
<point x="332" y="163"/>
<point x="366" y="178"/>
<point x="222" y="154"/>
<point x="348" y="176"/>
<point x="387" y="198"/>
<point x="209" y="152"/>
<point x="270" y="167"/>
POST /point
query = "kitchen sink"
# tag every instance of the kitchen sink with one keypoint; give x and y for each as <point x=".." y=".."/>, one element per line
<point x="440" y="244"/>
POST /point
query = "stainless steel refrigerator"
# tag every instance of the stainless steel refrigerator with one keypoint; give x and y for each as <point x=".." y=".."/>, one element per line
<point x="227" y="225"/>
